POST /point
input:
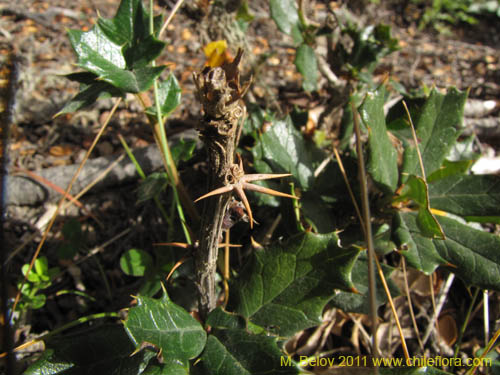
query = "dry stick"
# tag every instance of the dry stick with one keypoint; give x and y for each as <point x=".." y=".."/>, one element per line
<point x="218" y="130"/>
<point x="393" y="308"/>
<point x="486" y="317"/>
<point x="226" y="268"/>
<point x="72" y="200"/>
<point x="422" y="169"/>
<point x="58" y="189"/>
<point x="95" y="181"/>
<point x="410" y="305"/>
<point x="485" y="352"/>
<point x="61" y="201"/>
<point x="379" y="268"/>
<point x="174" y="10"/>
<point x="437" y="307"/>
<point x="368" y="233"/>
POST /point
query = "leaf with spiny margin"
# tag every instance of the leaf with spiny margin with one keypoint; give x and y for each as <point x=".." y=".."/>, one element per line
<point x="130" y="28"/>
<point x="284" y="150"/>
<point x="360" y="302"/>
<point x="470" y="195"/>
<point x="104" y="349"/>
<point x="287" y="285"/>
<point x="167" y="326"/>
<point x="450" y="168"/>
<point x="382" y="156"/>
<point x="237" y="352"/>
<point x="99" y="55"/>
<point x="119" y="50"/>
<point x="169" y="95"/>
<point x="415" y="188"/>
<point x="91" y="90"/>
<point x="168" y="368"/>
<point x="438" y="126"/>
<point x="472" y="254"/>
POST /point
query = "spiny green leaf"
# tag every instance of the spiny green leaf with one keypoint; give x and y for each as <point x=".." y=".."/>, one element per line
<point x="119" y="50"/>
<point x="415" y="188"/>
<point x="130" y="28"/>
<point x="99" y="350"/>
<point x="167" y="326"/>
<point x="286" y="286"/>
<point x="169" y="95"/>
<point x="467" y="195"/>
<point x="438" y="126"/>
<point x="359" y="302"/>
<point x="382" y="156"/>
<point x="91" y="90"/>
<point x="450" y="168"/>
<point x="219" y="318"/>
<point x="183" y="151"/>
<point x="285" y="150"/>
<point x="472" y="254"/>
<point x="223" y="355"/>
<point x="99" y="55"/>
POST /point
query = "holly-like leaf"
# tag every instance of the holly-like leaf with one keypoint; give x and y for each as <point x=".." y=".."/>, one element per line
<point x="359" y="302"/>
<point x="119" y="50"/>
<point x="382" y="156"/>
<point x="130" y="28"/>
<point x="284" y="150"/>
<point x="415" y="188"/>
<point x="99" y="350"/>
<point x="450" y="168"/>
<point x="91" y="90"/>
<point x="305" y="61"/>
<point x="169" y="95"/>
<point x="472" y="254"/>
<point x="286" y="286"/>
<point x="167" y="326"/>
<point x="467" y="195"/>
<point x="99" y="55"/>
<point x="438" y="126"/>
<point x="223" y="355"/>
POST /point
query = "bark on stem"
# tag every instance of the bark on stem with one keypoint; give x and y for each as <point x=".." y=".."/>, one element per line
<point x="219" y="91"/>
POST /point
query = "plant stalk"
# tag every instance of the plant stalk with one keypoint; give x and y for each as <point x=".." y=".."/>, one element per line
<point x="219" y="92"/>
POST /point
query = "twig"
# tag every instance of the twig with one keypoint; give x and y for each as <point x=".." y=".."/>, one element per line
<point x="410" y="305"/>
<point x="176" y="8"/>
<point x="218" y="129"/>
<point x="368" y="234"/>
<point x="61" y="201"/>
<point x="439" y="305"/>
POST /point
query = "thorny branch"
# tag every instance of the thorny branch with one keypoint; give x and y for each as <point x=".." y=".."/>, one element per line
<point x="220" y="93"/>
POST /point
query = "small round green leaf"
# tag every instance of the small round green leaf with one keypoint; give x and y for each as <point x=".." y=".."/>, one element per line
<point x="135" y="262"/>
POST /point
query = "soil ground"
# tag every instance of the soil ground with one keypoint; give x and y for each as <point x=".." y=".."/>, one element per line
<point x="468" y="58"/>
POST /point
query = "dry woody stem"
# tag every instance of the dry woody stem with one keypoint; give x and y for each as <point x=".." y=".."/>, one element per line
<point x="220" y="93"/>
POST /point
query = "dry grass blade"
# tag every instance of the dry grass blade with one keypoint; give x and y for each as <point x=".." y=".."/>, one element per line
<point x="61" y="201"/>
<point x="368" y="232"/>
<point x="410" y="305"/>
